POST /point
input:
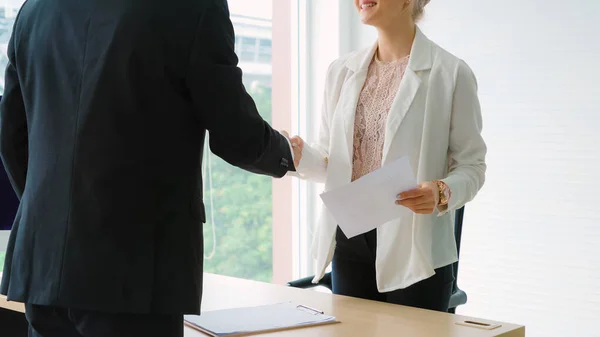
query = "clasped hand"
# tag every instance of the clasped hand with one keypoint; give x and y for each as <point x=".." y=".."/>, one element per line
<point x="421" y="200"/>
<point x="297" y="146"/>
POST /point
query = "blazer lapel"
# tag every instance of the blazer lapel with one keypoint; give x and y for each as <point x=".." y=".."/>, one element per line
<point x="420" y="60"/>
<point x="358" y="64"/>
<point x="404" y="97"/>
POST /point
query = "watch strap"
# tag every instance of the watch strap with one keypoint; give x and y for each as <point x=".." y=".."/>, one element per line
<point x="444" y="192"/>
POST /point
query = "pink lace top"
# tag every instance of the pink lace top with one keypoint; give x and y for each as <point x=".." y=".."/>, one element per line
<point x="376" y="97"/>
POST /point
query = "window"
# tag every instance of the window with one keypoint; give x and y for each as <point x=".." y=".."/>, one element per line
<point x="8" y="14"/>
<point x="264" y="51"/>
<point x="242" y="219"/>
<point x="321" y="35"/>
<point x="255" y="50"/>
<point x="238" y="235"/>
<point x="248" y="48"/>
<point x="530" y="251"/>
<point x="238" y="41"/>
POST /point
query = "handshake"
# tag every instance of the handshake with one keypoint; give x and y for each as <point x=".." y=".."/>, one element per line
<point x="297" y="146"/>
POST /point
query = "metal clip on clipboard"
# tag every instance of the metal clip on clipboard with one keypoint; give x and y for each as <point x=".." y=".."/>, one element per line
<point x="310" y="310"/>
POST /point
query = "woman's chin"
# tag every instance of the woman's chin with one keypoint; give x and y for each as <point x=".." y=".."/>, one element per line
<point x="367" y="19"/>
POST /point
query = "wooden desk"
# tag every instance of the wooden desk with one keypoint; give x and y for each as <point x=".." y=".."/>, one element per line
<point x="358" y="317"/>
<point x="4" y="304"/>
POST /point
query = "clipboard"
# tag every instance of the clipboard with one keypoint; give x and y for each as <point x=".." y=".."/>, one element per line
<point x="255" y="320"/>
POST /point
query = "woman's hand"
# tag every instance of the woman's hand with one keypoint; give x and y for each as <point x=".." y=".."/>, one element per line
<point x="422" y="200"/>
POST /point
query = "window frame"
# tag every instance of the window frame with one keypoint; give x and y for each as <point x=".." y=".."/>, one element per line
<point x="282" y="189"/>
<point x="305" y="41"/>
<point x="316" y="41"/>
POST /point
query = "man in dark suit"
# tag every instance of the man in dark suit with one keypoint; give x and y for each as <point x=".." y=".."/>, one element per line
<point x="8" y="201"/>
<point x="102" y="126"/>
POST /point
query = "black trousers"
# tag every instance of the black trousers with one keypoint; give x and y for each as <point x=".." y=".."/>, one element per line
<point x="58" y="322"/>
<point x="353" y="274"/>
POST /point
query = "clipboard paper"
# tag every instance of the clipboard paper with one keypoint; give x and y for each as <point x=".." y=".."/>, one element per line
<point x="253" y="320"/>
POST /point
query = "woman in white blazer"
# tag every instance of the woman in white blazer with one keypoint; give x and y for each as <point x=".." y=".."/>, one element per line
<point x="405" y="96"/>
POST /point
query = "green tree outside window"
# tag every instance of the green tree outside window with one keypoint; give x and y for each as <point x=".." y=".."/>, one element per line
<point x="242" y="214"/>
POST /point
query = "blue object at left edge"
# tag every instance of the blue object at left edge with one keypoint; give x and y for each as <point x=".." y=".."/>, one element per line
<point x="8" y="199"/>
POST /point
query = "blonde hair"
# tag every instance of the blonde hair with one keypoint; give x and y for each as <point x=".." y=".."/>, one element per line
<point x="419" y="8"/>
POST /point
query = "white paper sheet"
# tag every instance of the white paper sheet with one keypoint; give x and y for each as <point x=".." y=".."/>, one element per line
<point x="370" y="201"/>
<point x="241" y="321"/>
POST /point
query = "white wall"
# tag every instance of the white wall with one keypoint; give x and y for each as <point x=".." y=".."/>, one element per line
<point x="531" y="241"/>
<point x="531" y="244"/>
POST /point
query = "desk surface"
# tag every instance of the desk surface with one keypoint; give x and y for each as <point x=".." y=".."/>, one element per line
<point x="358" y="317"/>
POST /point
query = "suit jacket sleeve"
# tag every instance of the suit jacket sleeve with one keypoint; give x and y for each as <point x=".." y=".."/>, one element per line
<point x="238" y="134"/>
<point x="13" y="125"/>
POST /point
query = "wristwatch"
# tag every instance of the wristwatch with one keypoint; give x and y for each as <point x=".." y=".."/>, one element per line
<point x="444" y="192"/>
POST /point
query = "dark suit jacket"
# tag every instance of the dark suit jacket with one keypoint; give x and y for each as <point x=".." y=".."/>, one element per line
<point x="103" y="119"/>
<point x="8" y="200"/>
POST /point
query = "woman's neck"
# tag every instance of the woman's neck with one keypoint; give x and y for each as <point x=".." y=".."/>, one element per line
<point x="395" y="43"/>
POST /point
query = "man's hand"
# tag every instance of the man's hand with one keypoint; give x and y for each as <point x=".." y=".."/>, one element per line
<point x="297" y="146"/>
<point x="422" y="200"/>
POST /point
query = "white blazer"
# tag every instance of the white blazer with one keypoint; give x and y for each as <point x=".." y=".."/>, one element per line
<point x="435" y="119"/>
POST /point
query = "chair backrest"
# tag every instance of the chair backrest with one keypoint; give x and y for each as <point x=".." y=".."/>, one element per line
<point x="458" y="222"/>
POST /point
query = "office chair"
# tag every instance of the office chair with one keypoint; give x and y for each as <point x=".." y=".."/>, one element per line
<point x="459" y="297"/>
